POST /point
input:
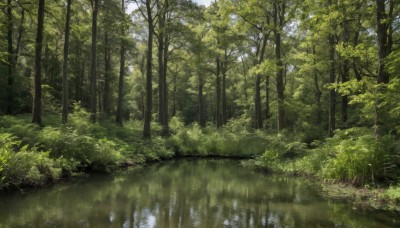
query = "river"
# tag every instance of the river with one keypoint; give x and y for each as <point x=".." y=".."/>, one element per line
<point x="184" y="193"/>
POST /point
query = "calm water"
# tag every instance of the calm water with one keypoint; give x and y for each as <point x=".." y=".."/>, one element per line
<point x="183" y="193"/>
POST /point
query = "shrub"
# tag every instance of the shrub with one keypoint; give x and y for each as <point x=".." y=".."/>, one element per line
<point x="358" y="157"/>
<point x="234" y="139"/>
<point x="393" y="194"/>
<point x="105" y="156"/>
<point x="281" y="154"/>
<point x="89" y="152"/>
<point x="25" y="166"/>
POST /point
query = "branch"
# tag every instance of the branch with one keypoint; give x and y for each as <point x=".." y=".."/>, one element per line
<point x="175" y="48"/>
<point x="368" y="72"/>
<point x="141" y="11"/>
<point x="252" y="24"/>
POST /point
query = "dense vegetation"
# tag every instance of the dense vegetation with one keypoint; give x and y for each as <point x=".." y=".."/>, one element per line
<point x="307" y="87"/>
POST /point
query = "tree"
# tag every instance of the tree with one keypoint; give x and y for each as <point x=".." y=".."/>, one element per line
<point x="279" y="20"/>
<point x="385" y="42"/>
<point x="37" y="100"/>
<point x="162" y="53"/>
<point x="65" y="65"/>
<point x="257" y="14"/>
<point x="121" y="67"/>
<point x="10" y="64"/>
<point x="149" y="66"/>
<point x="93" y="62"/>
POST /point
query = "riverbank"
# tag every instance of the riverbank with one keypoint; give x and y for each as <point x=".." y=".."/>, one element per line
<point x="362" y="198"/>
<point x="184" y="193"/>
<point x="33" y="156"/>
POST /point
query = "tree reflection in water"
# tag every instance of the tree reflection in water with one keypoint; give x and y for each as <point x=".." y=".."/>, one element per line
<point x="183" y="193"/>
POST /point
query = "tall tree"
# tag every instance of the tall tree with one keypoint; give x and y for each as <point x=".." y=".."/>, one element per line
<point x="10" y="64"/>
<point x="93" y="62"/>
<point x="218" y="90"/>
<point x="257" y="14"/>
<point x="37" y="98"/>
<point x="162" y="51"/>
<point x="107" y="74"/>
<point x="332" y="80"/>
<point x="345" y="73"/>
<point x="279" y="20"/>
<point x="385" y="42"/>
<point x="258" y="123"/>
<point x="121" y="67"/>
<point x="65" y="65"/>
<point x="149" y="73"/>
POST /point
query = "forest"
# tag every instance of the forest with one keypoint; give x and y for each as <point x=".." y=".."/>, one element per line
<point x="305" y="87"/>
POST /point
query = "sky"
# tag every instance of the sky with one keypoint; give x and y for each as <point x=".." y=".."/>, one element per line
<point x="203" y="2"/>
<point x="132" y="6"/>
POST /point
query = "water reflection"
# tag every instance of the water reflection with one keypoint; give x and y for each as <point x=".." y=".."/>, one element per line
<point x="183" y="193"/>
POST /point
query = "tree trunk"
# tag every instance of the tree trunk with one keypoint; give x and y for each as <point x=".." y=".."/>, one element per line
<point x="218" y="98"/>
<point x="318" y="92"/>
<point x="37" y="98"/>
<point x="81" y="97"/>
<point x="332" y="92"/>
<point x="149" y="83"/>
<point x="12" y="57"/>
<point x="258" y="121"/>
<point x="142" y="94"/>
<point x="224" y="102"/>
<point x="355" y="43"/>
<point x="10" y="64"/>
<point x="160" y="53"/>
<point x="100" y="87"/>
<point x="346" y="72"/>
<point x="202" y="119"/>
<point x="65" y="66"/>
<point x="121" y="70"/>
<point x="107" y="76"/>
<point x="318" y="95"/>
<point x="267" y="101"/>
<point x="278" y="22"/>
<point x="173" y="113"/>
<point x="384" y="49"/>
<point x="20" y="31"/>
<point x="165" y="86"/>
<point x="162" y="67"/>
<point x="93" y="63"/>
<point x="45" y="63"/>
<point x="257" y="100"/>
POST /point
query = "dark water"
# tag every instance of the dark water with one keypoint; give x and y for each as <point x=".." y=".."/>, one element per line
<point x="183" y="193"/>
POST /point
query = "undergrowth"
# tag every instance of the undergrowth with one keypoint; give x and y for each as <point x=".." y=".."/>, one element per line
<point x="352" y="156"/>
<point x="33" y="156"/>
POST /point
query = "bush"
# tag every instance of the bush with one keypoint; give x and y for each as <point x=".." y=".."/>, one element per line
<point x="358" y="157"/>
<point x="280" y="154"/>
<point x="234" y="139"/>
<point x="25" y="166"/>
<point x="106" y="155"/>
<point x="392" y="194"/>
<point x="87" y="151"/>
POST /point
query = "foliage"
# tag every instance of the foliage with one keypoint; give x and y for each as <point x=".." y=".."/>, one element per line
<point x="358" y="157"/>
<point x="392" y="193"/>
<point x="215" y="70"/>
<point x="233" y="140"/>
<point x="280" y="154"/>
<point x="23" y="165"/>
<point x="353" y="156"/>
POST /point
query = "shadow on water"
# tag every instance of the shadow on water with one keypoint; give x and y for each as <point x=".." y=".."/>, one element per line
<point x="184" y="193"/>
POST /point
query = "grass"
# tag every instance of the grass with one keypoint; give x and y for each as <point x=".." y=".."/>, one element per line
<point x="59" y="150"/>
<point x="34" y="156"/>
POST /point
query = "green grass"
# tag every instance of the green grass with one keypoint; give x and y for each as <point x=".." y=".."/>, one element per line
<point x="31" y="155"/>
